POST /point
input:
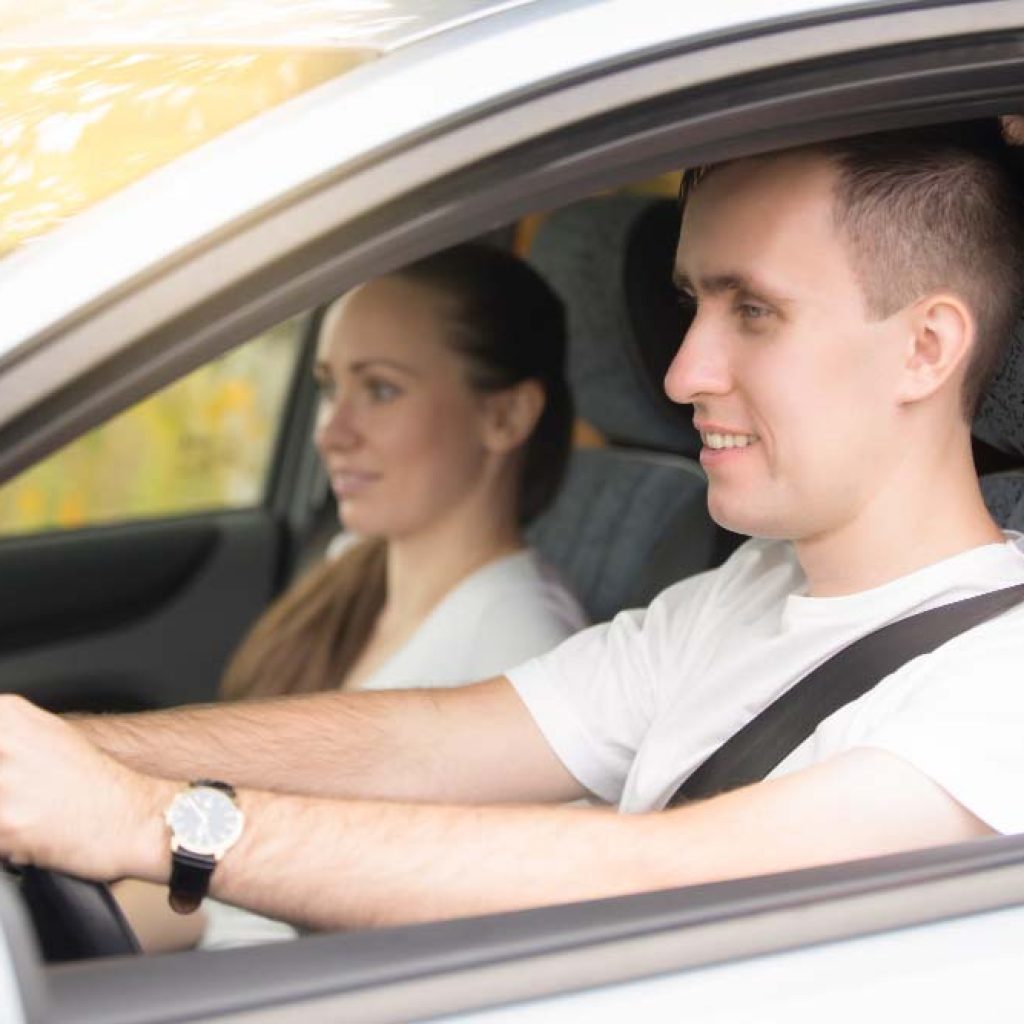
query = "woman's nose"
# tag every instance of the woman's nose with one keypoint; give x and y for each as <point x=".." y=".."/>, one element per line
<point x="335" y="426"/>
<point x="700" y="366"/>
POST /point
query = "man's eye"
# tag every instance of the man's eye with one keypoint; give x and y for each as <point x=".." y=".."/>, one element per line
<point x="326" y="389"/>
<point x="752" y="311"/>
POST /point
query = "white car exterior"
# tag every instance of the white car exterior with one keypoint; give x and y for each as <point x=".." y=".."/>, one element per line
<point x="406" y="153"/>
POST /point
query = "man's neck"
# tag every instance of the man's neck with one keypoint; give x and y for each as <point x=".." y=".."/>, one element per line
<point x="906" y="527"/>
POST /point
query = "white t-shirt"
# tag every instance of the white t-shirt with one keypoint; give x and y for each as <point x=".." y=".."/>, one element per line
<point x="508" y="610"/>
<point x="634" y="706"/>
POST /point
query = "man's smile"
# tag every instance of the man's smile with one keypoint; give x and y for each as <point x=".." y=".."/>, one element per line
<point x="717" y="441"/>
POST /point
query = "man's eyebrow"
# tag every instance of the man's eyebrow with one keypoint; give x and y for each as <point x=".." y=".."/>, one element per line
<point x="681" y="282"/>
<point x="716" y="284"/>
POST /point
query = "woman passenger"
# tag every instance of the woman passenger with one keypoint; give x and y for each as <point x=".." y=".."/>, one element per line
<point x="444" y="428"/>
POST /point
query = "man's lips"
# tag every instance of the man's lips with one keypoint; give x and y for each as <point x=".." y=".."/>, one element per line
<point x="722" y="438"/>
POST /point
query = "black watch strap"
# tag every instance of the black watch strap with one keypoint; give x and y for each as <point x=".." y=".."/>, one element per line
<point x="214" y="784"/>
<point x="190" y="879"/>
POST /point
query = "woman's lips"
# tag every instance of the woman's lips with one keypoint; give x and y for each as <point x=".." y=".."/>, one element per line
<point x="348" y="484"/>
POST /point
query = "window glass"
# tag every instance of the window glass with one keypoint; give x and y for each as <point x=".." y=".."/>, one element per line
<point x="204" y="443"/>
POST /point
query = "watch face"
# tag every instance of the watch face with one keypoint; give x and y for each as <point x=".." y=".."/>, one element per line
<point x="204" y="820"/>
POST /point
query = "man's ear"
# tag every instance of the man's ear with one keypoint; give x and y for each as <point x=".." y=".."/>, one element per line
<point x="511" y="414"/>
<point x="942" y="335"/>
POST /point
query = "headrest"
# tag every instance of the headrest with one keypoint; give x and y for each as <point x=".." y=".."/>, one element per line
<point x="610" y="259"/>
<point x="1000" y="419"/>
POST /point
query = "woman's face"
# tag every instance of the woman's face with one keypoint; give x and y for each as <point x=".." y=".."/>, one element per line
<point x="399" y="430"/>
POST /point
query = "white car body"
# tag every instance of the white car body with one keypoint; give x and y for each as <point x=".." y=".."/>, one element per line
<point x="372" y="162"/>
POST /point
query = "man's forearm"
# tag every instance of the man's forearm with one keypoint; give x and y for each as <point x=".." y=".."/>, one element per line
<point x="352" y="864"/>
<point x="305" y="745"/>
<point x="472" y="744"/>
<point x="337" y="864"/>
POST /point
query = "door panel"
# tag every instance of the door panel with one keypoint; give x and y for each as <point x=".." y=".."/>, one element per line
<point x="193" y="492"/>
<point x="134" y="616"/>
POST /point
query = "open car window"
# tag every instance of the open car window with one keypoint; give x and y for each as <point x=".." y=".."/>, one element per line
<point x="203" y="444"/>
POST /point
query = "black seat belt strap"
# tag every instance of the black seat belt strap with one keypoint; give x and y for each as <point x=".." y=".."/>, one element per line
<point x="766" y="740"/>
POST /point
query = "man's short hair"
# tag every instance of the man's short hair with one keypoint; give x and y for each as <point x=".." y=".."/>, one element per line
<point x="933" y="209"/>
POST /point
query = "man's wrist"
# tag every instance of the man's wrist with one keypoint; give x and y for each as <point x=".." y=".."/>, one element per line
<point x="148" y="856"/>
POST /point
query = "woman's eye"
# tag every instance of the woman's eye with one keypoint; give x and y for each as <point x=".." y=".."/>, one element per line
<point x="381" y="390"/>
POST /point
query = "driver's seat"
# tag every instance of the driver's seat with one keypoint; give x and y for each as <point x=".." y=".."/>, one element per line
<point x="631" y="517"/>
<point x="1000" y="425"/>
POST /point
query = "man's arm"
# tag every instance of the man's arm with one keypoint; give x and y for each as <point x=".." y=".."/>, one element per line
<point x="386" y="864"/>
<point x="472" y="744"/>
<point x="332" y="863"/>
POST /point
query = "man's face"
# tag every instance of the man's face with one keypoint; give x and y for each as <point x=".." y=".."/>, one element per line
<point x="793" y="385"/>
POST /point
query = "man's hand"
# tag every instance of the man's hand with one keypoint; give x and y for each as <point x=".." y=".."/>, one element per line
<point x="1013" y="128"/>
<point x="66" y="805"/>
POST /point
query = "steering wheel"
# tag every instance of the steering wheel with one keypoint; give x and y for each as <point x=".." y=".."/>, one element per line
<point x="74" y="919"/>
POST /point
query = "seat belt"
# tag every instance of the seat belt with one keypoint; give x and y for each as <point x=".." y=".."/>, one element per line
<point x="766" y="740"/>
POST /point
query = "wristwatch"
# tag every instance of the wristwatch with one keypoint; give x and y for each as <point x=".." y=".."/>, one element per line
<point x="205" y="822"/>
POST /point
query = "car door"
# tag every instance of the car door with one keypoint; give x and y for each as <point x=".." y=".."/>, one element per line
<point x="135" y="557"/>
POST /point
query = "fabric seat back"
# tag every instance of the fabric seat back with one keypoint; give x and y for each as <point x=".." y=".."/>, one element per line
<point x="631" y="517"/>
<point x="999" y="424"/>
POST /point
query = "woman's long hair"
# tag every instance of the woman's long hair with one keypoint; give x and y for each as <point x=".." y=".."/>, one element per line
<point x="509" y="327"/>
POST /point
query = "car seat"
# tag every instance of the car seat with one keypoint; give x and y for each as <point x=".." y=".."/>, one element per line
<point x="999" y="425"/>
<point x="632" y="516"/>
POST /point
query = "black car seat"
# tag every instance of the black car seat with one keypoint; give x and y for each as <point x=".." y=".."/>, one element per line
<point x="999" y="425"/>
<point x="632" y="516"/>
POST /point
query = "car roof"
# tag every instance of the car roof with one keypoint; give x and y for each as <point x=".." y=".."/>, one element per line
<point x="383" y="25"/>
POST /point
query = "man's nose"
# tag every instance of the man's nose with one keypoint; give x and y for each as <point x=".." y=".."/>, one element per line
<point x="700" y="366"/>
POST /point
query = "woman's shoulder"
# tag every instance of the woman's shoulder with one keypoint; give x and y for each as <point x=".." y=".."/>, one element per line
<point x="340" y="544"/>
<point x="506" y="612"/>
<point x="516" y="608"/>
<point x="519" y="589"/>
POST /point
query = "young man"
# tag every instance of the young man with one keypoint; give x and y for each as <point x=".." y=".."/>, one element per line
<point x="851" y="301"/>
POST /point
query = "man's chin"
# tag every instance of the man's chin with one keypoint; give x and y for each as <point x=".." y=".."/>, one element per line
<point x="747" y="521"/>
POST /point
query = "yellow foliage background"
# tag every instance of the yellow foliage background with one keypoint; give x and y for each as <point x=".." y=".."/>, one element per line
<point x="203" y="443"/>
<point x="77" y="126"/>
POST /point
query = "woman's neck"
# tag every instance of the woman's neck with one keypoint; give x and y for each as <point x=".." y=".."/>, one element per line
<point x="423" y="567"/>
